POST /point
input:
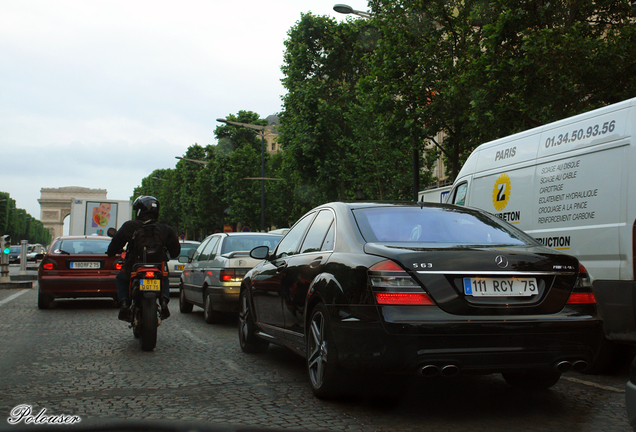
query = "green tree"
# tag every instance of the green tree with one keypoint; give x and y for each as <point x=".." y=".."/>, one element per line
<point x="475" y="70"/>
<point x="240" y="158"/>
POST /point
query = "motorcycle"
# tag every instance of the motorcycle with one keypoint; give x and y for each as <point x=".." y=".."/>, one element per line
<point x="146" y="283"/>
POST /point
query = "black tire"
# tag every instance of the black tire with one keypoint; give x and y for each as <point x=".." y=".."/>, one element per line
<point x="135" y="319"/>
<point x="250" y="343"/>
<point x="325" y="374"/>
<point x="609" y="358"/>
<point x="184" y="305"/>
<point x="148" y="323"/>
<point x="44" y="301"/>
<point x="532" y="379"/>
<point x="210" y="315"/>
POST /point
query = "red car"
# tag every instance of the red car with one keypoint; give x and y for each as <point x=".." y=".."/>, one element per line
<point x="77" y="267"/>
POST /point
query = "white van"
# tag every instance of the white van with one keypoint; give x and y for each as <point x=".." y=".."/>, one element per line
<point x="570" y="184"/>
<point x="436" y="195"/>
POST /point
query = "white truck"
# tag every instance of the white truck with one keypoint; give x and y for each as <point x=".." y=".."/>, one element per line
<point x="96" y="217"/>
<point x="436" y="195"/>
<point x="570" y="185"/>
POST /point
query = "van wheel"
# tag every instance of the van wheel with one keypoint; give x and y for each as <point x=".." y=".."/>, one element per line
<point x="608" y="359"/>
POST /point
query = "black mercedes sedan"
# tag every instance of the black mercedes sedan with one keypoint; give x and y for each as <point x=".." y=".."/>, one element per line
<point x="370" y="289"/>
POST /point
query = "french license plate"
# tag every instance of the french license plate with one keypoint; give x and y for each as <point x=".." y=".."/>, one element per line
<point x="150" y="284"/>
<point x="500" y="287"/>
<point x="79" y="265"/>
<point x="179" y="267"/>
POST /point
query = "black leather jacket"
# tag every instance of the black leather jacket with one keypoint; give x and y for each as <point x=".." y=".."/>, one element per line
<point x="125" y="233"/>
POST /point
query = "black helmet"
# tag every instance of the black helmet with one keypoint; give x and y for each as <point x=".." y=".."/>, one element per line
<point x="146" y="207"/>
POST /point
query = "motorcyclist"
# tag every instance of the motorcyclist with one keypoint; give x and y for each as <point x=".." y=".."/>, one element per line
<point x="145" y="208"/>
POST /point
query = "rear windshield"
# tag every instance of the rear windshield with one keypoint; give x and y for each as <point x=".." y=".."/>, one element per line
<point x="248" y="242"/>
<point x="448" y="225"/>
<point x="93" y="246"/>
<point x="185" y="248"/>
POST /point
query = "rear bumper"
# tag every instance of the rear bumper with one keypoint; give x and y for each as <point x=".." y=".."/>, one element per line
<point x="175" y="281"/>
<point x="78" y="287"/>
<point x="471" y="344"/>
<point x="225" y="298"/>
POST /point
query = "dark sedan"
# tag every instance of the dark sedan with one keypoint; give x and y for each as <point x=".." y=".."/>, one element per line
<point x="77" y="267"/>
<point x="411" y="288"/>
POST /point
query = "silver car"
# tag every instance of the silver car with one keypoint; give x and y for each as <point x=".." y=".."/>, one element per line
<point x="176" y="268"/>
<point x="212" y="277"/>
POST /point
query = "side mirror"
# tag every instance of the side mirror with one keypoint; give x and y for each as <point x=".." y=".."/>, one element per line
<point x="184" y="259"/>
<point x="111" y="232"/>
<point x="260" y="252"/>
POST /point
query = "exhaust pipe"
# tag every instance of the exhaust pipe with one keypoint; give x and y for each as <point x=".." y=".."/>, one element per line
<point x="429" y="371"/>
<point x="450" y="370"/>
<point x="564" y="366"/>
<point x="579" y="365"/>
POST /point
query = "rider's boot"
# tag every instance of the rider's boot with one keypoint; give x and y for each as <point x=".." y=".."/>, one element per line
<point x="125" y="314"/>
<point x="165" y="312"/>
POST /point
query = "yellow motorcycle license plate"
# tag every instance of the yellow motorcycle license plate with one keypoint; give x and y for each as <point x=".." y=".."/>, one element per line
<point x="150" y="284"/>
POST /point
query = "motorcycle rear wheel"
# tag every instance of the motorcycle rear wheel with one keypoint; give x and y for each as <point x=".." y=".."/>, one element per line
<point x="148" y="324"/>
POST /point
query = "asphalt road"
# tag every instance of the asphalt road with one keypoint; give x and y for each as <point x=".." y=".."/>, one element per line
<point x="77" y="360"/>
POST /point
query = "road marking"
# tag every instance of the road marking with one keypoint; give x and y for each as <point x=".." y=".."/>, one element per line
<point x="192" y="336"/>
<point x="11" y="297"/>
<point x="592" y="384"/>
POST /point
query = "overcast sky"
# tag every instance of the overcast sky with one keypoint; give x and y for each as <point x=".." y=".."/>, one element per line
<point x="99" y="94"/>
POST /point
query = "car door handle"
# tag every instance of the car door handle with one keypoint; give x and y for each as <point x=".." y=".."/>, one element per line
<point x="315" y="263"/>
<point x="280" y="266"/>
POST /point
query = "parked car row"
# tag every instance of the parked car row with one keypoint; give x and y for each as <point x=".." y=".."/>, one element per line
<point x="33" y="250"/>
<point x="378" y="290"/>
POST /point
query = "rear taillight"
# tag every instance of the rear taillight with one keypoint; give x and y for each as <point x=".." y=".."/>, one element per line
<point x="391" y="285"/>
<point x="386" y="298"/>
<point x="49" y="264"/>
<point x="231" y="275"/>
<point x="583" y="292"/>
<point x="118" y="264"/>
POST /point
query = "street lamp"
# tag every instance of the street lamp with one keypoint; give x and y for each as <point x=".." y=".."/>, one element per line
<point x="260" y="130"/>
<point x="200" y="162"/>
<point x="346" y="9"/>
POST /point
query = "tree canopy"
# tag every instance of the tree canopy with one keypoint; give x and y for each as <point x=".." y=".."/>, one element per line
<point x="372" y="103"/>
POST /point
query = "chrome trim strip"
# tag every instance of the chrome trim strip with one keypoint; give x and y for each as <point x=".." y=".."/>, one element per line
<point x="495" y="272"/>
<point x="280" y="329"/>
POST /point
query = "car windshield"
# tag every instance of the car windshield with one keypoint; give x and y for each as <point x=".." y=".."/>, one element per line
<point x="93" y="246"/>
<point x="16" y="248"/>
<point x="446" y="225"/>
<point x="248" y="242"/>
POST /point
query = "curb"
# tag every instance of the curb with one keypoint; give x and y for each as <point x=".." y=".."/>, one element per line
<point x="16" y="285"/>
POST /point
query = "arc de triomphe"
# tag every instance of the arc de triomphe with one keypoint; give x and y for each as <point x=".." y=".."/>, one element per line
<point x="55" y="205"/>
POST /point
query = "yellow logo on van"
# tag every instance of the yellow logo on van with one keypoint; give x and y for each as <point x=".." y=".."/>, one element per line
<point x="501" y="192"/>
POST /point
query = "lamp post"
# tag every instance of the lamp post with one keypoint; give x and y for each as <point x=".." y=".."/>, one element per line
<point x="260" y="130"/>
<point x="346" y="9"/>
<point x="196" y="161"/>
